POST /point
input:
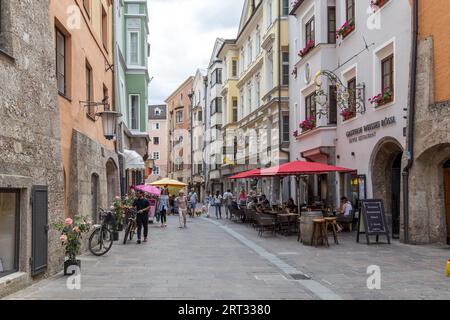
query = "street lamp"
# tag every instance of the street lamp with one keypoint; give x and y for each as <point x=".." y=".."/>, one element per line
<point x="110" y="119"/>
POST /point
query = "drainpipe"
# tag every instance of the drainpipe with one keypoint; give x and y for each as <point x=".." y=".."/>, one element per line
<point x="411" y="116"/>
<point x="116" y="92"/>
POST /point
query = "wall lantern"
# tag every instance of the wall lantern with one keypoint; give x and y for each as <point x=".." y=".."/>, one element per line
<point x="110" y="119"/>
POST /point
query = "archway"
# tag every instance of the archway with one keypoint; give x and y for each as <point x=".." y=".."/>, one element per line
<point x="430" y="196"/>
<point x="386" y="180"/>
<point x="112" y="180"/>
<point x="95" y="193"/>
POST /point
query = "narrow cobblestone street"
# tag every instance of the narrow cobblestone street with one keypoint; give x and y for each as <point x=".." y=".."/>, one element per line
<point x="223" y="260"/>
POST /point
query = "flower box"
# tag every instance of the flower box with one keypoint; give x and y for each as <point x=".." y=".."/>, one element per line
<point x="382" y="98"/>
<point x="348" y="114"/>
<point x="345" y="29"/>
<point x="376" y="4"/>
<point x="309" y="46"/>
<point x="308" y="124"/>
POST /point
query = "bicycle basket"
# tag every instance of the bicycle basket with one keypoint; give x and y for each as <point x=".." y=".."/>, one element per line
<point x="109" y="218"/>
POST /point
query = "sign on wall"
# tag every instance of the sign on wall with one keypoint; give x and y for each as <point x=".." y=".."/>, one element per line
<point x="374" y="218"/>
<point x="370" y="130"/>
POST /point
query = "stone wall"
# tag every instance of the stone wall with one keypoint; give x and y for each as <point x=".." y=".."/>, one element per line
<point x="30" y="149"/>
<point x="89" y="158"/>
<point x="427" y="221"/>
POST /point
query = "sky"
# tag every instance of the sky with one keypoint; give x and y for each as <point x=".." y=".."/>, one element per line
<point x="182" y="37"/>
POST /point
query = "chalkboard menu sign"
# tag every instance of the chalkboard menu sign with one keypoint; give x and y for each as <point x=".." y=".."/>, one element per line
<point x="374" y="218"/>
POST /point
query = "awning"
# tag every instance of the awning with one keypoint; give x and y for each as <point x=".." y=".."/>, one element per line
<point x="133" y="160"/>
<point x="246" y="174"/>
<point x="301" y="167"/>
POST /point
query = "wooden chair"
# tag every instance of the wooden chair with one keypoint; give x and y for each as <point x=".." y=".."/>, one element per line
<point x="265" y="224"/>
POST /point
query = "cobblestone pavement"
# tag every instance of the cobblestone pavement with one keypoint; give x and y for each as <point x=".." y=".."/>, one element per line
<point x="224" y="260"/>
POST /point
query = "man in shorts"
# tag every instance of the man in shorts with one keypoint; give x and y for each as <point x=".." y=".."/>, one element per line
<point x="182" y="205"/>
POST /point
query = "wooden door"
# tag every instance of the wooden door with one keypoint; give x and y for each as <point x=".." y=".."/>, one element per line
<point x="447" y="200"/>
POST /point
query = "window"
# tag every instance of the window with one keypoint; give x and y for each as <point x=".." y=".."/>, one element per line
<point x="285" y="134"/>
<point x="269" y="13"/>
<point x="105" y="95"/>
<point x="179" y="116"/>
<point x="89" y="94"/>
<point x="156" y="155"/>
<point x="216" y="77"/>
<point x="87" y="7"/>
<point x="350" y="10"/>
<point x="309" y="31"/>
<point x="134" y="106"/>
<point x="285" y="7"/>
<point x="61" y="62"/>
<point x="234" y="68"/>
<point x="258" y="41"/>
<point x="331" y="24"/>
<point x="216" y="106"/>
<point x="250" y="51"/>
<point x="387" y="77"/>
<point x="242" y="61"/>
<point x="235" y="109"/>
<point x="133" y="8"/>
<point x="200" y="116"/>
<point x="332" y="116"/>
<point x="249" y="97"/>
<point x="156" y="171"/>
<point x="156" y="126"/>
<point x="9" y="230"/>
<point x="310" y="107"/>
<point x="351" y="85"/>
<point x="258" y="91"/>
<point x="104" y="28"/>
<point x="285" y="69"/>
<point x="133" y="47"/>
<point x="157" y="112"/>
<point x="156" y="141"/>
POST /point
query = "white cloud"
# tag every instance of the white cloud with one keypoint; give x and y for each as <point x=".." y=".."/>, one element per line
<point x="182" y="36"/>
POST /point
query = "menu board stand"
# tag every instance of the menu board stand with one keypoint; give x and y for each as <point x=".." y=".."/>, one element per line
<point x="373" y="214"/>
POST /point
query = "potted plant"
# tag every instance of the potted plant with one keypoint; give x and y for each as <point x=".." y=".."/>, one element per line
<point x="345" y="29"/>
<point x="309" y="46"/>
<point x="72" y="231"/>
<point x="348" y="114"/>
<point x="308" y="124"/>
<point x="381" y="98"/>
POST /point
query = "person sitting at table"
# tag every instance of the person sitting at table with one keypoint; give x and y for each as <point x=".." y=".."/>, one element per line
<point x="344" y="213"/>
<point x="264" y="201"/>
<point x="242" y="198"/>
<point x="260" y="208"/>
<point x="290" y="206"/>
<point x="252" y="204"/>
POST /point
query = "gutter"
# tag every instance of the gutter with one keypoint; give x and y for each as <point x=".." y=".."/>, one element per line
<point x="411" y="117"/>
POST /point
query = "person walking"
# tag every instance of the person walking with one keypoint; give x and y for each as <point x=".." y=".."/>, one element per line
<point x="228" y="199"/>
<point x="182" y="205"/>
<point x="207" y="202"/>
<point x="142" y="205"/>
<point x="218" y="204"/>
<point x="193" y="199"/>
<point x="164" y="206"/>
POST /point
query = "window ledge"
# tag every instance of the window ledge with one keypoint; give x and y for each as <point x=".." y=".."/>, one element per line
<point x="385" y="106"/>
<point x="64" y="96"/>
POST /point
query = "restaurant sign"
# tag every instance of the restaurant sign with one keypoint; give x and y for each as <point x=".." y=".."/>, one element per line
<point x="370" y="130"/>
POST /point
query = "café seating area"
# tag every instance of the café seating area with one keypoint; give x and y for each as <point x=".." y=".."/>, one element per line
<point x="315" y="228"/>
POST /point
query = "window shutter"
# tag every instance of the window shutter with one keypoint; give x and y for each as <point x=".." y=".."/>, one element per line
<point x="39" y="255"/>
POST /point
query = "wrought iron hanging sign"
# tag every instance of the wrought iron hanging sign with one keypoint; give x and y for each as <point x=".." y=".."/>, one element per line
<point x="349" y="101"/>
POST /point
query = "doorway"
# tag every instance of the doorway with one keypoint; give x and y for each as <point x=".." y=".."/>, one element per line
<point x="395" y="195"/>
<point x="447" y="197"/>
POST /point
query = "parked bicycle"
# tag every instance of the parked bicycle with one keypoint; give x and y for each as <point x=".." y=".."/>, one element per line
<point x="131" y="225"/>
<point x="101" y="240"/>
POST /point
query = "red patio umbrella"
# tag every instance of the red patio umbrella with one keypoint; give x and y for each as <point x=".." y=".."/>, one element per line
<point x="301" y="167"/>
<point x="246" y="174"/>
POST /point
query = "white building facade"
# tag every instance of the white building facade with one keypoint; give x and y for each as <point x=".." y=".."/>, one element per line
<point x="355" y="120"/>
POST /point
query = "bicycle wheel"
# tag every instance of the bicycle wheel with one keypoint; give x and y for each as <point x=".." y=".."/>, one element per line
<point x="132" y="231"/>
<point x="100" y="242"/>
<point x="127" y="233"/>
